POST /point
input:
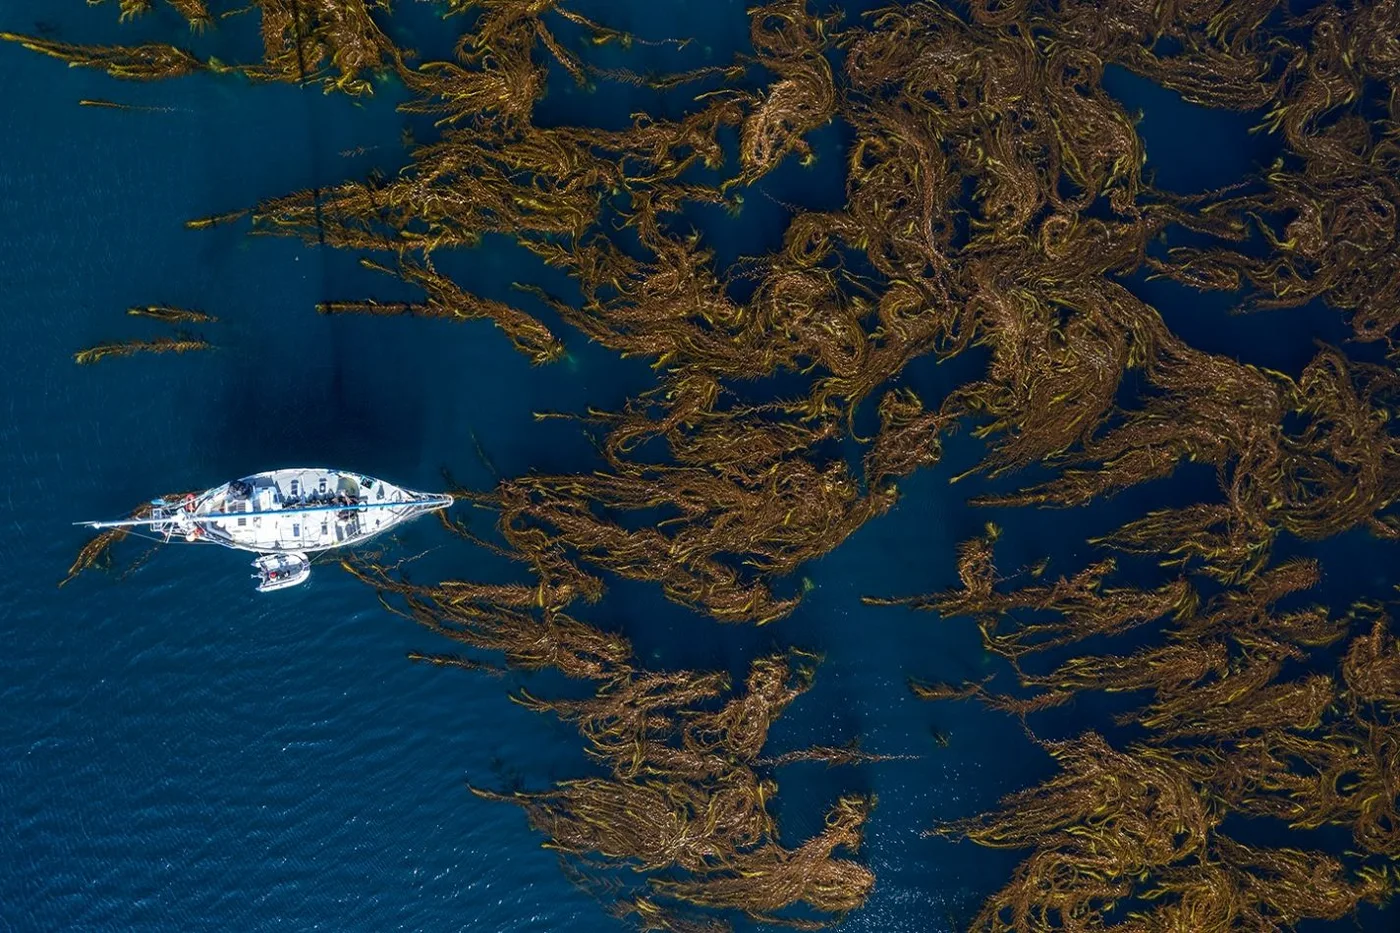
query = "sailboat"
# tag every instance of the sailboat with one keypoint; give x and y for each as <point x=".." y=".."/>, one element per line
<point x="285" y="515"/>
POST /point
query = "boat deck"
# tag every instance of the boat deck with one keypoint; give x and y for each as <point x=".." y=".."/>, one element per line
<point x="305" y="510"/>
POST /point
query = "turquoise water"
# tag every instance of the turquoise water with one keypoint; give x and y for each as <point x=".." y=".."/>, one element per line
<point x="178" y="753"/>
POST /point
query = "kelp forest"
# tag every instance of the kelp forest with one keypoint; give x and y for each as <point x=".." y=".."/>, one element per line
<point x="997" y="212"/>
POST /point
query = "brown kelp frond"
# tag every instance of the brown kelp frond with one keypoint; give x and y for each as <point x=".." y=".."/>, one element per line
<point x="516" y="621"/>
<point x="1240" y="887"/>
<point x="497" y="70"/>
<point x="657" y="824"/>
<point x="457" y="661"/>
<point x="927" y="690"/>
<point x="831" y="756"/>
<point x="789" y="41"/>
<point x="447" y="300"/>
<point x="1146" y="816"/>
<point x="171" y="315"/>
<point x="141" y="62"/>
<point x="771" y="878"/>
<point x="1371" y="668"/>
<point x="95" y="551"/>
<point x="129" y="9"/>
<point x="685" y="805"/>
<point x="330" y="41"/>
<point x="685" y="796"/>
<point x="1339" y="468"/>
<point x="1072" y="608"/>
<point x="131" y="347"/>
<point x="801" y="513"/>
<point x="196" y="12"/>
<point x="739" y="730"/>
<point x="204" y="223"/>
<point x="647" y="915"/>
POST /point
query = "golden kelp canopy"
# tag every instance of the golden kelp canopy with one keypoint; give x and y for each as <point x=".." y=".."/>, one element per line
<point x="995" y="208"/>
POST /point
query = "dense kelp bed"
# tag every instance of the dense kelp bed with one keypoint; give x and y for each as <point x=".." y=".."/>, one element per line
<point x="995" y="201"/>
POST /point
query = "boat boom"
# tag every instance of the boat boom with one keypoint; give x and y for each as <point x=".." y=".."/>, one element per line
<point x="124" y="523"/>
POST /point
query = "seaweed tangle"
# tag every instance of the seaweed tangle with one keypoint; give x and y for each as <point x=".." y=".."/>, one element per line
<point x="1226" y="729"/>
<point x="997" y="209"/>
<point x="328" y="41"/>
<point x="682" y="817"/>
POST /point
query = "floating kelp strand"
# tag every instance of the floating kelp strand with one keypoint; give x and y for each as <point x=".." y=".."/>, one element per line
<point x="659" y="824"/>
<point x="457" y="661"/>
<point x="217" y="219"/>
<point x="529" y="639"/>
<point x="446" y="299"/>
<point x="194" y="11"/>
<point x="128" y="9"/>
<point x="172" y="315"/>
<point x="1085" y="606"/>
<point x="131" y="347"/>
<point x="1203" y="692"/>
<point x="831" y="756"/>
<point x="108" y="104"/>
<point x="303" y="40"/>
<point x="790" y="41"/>
<point x="143" y="62"/>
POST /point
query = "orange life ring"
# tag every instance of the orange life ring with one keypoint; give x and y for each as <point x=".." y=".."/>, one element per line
<point x="189" y="502"/>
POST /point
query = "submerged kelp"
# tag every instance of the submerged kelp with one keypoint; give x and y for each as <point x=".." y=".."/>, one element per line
<point x="996" y="201"/>
<point x="684" y="809"/>
<point x="1311" y="456"/>
<point x="1226" y="732"/>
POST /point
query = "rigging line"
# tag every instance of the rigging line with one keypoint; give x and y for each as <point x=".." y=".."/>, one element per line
<point x="154" y="538"/>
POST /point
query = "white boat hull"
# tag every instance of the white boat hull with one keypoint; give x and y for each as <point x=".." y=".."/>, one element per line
<point x="301" y="511"/>
<point x="284" y="515"/>
<point x="295" y="511"/>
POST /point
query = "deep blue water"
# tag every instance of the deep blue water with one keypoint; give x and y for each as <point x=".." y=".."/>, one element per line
<point x="178" y="753"/>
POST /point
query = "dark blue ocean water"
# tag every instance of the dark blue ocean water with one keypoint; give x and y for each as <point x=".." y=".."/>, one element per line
<point x="178" y="753"/>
